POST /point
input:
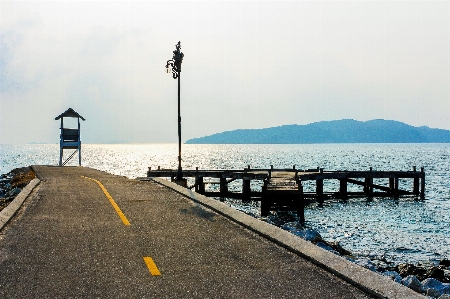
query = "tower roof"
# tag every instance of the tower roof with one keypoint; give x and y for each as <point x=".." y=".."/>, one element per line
<point x="69" y="113"/>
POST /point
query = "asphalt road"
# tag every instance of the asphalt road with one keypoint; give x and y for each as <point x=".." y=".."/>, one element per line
<point x="132" y="239"/>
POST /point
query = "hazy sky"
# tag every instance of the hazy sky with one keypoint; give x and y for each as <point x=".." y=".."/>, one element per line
<point x="247" y="64"/>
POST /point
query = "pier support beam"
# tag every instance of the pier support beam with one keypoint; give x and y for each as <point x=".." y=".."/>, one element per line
<point x="301" y="203"/>
<point x="246" y="189"/>
<point x="422" y="183"/>
<point x="396" y="180"/>
<point x="199" y="185"/>
<point x="319" y="190"/>
<point x="368" y="187"/>
<point x="223" y="186"/>
<point x="393" y="186"/>
<point x="265" y="201"/>
<point x="343" y="187"/>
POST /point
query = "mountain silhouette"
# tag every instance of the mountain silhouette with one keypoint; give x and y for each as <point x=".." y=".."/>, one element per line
<point x="336" y="131"/>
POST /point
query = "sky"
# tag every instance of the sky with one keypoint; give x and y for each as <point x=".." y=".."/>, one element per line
<point x="247" y="64"/>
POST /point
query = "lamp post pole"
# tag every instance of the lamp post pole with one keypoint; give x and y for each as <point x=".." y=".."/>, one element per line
<point x="175" y="65"/>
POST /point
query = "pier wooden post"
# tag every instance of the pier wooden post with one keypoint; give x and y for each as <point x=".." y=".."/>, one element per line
<point x="223" y="186"/>
<point x="396" y="186"/>
<point x="422" y="183"/>
<point x="368" y="187"/>
<point x="343" y="187"/>
<point x="415" y="183"/>
<point x="301" y="203"/>
<point x="265" y="202"/>
<point x="246" y="189"/>
<point x="319" y="188"/>
<point x="199" y="184"/>
<point x="391" y="185"/>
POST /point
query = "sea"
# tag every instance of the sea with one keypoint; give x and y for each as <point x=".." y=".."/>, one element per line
<point x="405" y="230"/>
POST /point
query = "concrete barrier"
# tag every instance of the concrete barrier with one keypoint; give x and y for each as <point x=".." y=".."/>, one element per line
<point x="7" y="213"/>
<point x="364" y="279"/>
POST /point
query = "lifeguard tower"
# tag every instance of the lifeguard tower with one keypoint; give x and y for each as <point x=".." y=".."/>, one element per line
<point x="69" y="137"/>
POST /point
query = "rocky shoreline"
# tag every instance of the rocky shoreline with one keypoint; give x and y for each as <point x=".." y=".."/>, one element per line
<point x="12" y="183"/>
<point x="425" y="278"/>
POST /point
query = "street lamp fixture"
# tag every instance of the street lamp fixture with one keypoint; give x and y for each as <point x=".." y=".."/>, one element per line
<point x="175" y="65"/>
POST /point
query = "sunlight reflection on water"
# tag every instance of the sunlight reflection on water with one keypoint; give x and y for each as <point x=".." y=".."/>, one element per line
<point x="400" y="230"/>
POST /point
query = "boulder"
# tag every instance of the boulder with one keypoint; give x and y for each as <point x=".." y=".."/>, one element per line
<point x="445" y="296"/>
<point x="393" y="275"/>
<point x="433" y="287"/>
<point x="433" y="293"/>
<point x="435" y="272"/>
<point x="366" y="263"/>
<point x="309" y="235"/>
<point x="446" y="288"/>
<point x="445" y="263"/>
<point x="342" y="251"/>
<point x="325" y="246"/>
<point x="406" y="269"/>
<point x="413" y="283"/>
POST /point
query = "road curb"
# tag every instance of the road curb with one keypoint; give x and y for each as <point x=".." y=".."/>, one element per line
<point x="364" y="279"/>
<point x="7" y="213"/>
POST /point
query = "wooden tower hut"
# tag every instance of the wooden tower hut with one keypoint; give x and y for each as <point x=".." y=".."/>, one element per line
<point x="69" y="137"/>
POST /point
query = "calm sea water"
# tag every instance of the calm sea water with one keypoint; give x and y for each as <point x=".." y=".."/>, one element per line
<point x="405" y="230"/>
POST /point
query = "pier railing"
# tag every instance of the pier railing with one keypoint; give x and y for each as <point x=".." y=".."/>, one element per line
<point x="283" y="188"/>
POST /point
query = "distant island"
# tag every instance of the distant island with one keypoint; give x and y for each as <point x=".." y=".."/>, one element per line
<point x="336" y="131"/>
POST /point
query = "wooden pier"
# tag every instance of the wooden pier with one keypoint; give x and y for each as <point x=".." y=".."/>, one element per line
<point x="284" y="188"/>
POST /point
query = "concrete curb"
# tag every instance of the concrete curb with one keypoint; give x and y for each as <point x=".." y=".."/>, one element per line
<point x="362" y="278"/>
<point x="7" y="213"/>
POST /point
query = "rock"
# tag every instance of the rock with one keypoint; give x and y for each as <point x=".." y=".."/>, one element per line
<point x="366" y="263"/>
<point x="433" y="286"/>
<point x="445" y="296"/>
<point x="413" y="283"/>
<point x="342" y="251"/>
<point x="445" y="263"/>
<point x="446" y="288"/>
<point x="327" y="247"/>
<point x="14" y="192"/>
<point x="435" y="272"/>
<point x="349" y="258"/>
<point x="309" y="235"/>
<point x="432" y="283"/>
<point x="393" y="275"/>
<point x="433" y="293"/>
<point x="292" y="226"/>
<point x="406" y="270"/>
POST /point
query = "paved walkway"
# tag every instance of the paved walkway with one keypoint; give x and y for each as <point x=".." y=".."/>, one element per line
<point x="70" y="241"/>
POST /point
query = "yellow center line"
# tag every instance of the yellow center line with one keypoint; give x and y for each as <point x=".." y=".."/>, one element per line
<point x="111" y="200"/>
<point x="151" y="266"/>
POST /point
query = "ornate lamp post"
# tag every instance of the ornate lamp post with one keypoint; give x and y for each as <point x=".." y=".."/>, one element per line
<point x="175" y="64"/>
